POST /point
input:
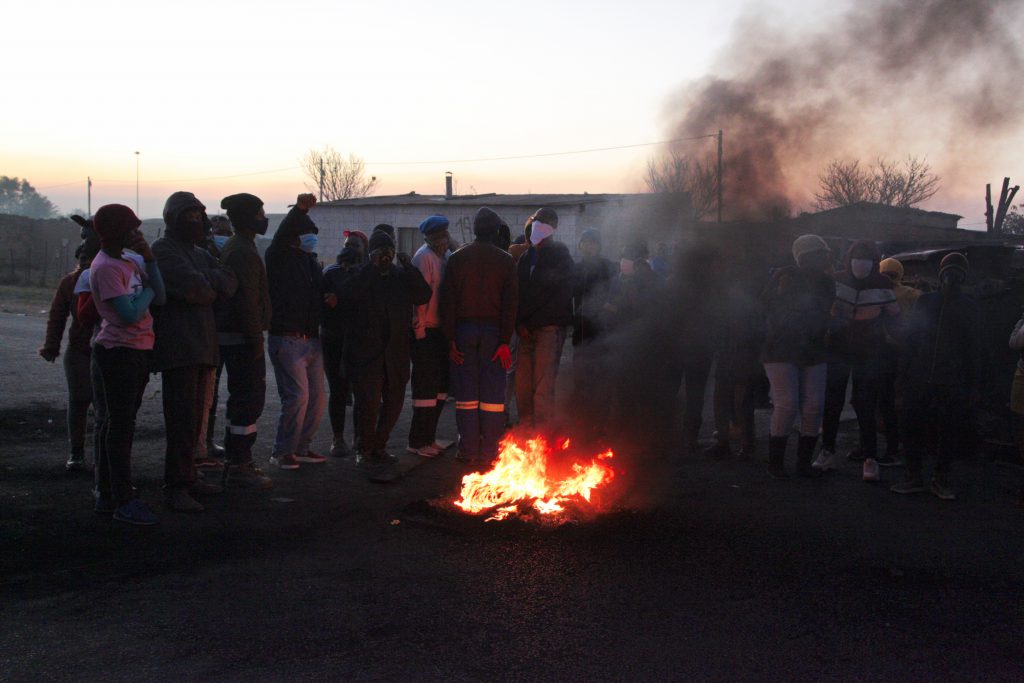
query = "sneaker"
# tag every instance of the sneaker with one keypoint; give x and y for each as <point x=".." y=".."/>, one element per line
<point x="178" y="499"/>
<point x="942" y="489"/>
<point x="215" y="450"/>
<point x="871" y="470"/>
<point x="423" y="452"/>
<point x="247" y="475"/>
<point x="285" y="462"/>
<point x="385" y="458"/>
<point x="911" y="485"/>
<point x="208" y="463"/>
<point x="887" y="460"/>
<point x="340" y="449"/>
<point x="135" y="512"/>
<point x="310" y="456"/>
<point x="104" y="505"/>
<point x="204" y="488"/>
<point x="856" y="455"/>
<point x="825" y="461"/>
<point x="76" y="463"/>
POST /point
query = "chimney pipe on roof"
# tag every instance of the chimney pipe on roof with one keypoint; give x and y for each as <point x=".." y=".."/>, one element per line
<point x="448" y="185"/>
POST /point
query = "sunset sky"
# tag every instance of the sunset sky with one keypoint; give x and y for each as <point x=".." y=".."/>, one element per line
<point x="221" y="97"/>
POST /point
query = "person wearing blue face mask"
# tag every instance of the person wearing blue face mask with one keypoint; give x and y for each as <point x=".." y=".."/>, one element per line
<point x="297" y="297"/>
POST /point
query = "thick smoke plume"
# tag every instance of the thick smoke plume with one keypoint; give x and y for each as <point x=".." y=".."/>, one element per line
<point x="937" y="79"/>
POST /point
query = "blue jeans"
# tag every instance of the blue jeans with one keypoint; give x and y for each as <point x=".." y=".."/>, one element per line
<point x="536" y="374"/>
<point x="479" y="388"/>
<point x="796" y="389"/>
<point x="299" y="369"/>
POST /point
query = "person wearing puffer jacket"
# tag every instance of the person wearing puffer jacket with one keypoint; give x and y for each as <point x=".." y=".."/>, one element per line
<point x="864" y="300"/>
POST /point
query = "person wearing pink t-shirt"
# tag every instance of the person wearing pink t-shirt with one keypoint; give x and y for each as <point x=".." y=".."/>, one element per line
<point x="122" y="292"/>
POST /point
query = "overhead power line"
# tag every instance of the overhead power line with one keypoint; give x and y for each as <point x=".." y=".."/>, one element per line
<point x="403" y="163"/>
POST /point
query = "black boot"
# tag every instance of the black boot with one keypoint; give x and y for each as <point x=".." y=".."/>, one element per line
<point x="804" y="453"/>
<point x="777" y="457"/>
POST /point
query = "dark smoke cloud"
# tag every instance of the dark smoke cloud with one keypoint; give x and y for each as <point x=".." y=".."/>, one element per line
<point x="931" y="78"/>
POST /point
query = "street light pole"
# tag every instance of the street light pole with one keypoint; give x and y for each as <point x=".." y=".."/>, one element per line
<point x="137" y="183"/>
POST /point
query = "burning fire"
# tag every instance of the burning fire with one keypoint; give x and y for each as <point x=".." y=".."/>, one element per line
<point x="521" y="476"/>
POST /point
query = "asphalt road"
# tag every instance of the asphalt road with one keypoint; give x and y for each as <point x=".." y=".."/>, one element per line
<point x="722" y="574"/>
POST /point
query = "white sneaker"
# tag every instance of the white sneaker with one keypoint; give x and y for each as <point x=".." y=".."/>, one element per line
<point x="870" y="470"/>
<point x="825" y="461"/>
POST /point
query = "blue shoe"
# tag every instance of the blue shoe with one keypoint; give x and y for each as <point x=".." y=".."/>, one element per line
<point x="135" y="512"/>
<point x="105" y="505"/>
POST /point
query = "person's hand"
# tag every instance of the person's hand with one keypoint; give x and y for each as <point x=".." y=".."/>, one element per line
<point x="404" y="259"/>
<point x="331" y="299"/>
<point x="455" y="355"/>
<point x="420" y="332"/>
<point x="503" y="355"/>
<point x="48" y="354"/>
<point x="257" y="348"/>
<point x="305" y="201"/>
<point x="137" y="242"/>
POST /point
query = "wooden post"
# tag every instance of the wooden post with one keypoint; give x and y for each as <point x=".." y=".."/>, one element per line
<point x="988" y="207"/>
<point x="1005" y="201"/>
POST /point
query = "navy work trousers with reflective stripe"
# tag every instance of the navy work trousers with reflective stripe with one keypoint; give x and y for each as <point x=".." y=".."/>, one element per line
<point x="479" y="388"/>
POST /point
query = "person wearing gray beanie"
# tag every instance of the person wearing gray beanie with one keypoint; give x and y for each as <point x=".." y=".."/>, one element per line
<point x="797" y="304"/>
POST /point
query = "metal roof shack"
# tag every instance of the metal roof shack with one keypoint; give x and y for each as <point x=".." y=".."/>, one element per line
<point x="607" y="213"/>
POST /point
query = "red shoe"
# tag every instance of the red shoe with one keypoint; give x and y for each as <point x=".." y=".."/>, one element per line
<point x="310" y="456"/>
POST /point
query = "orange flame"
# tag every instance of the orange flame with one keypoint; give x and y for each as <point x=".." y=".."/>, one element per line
<point x="520" y="474"/>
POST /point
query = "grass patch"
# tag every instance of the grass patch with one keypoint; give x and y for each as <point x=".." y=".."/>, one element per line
<point x="26" y="300"/>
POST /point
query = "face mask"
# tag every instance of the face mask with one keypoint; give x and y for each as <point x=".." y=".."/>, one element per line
<point x="952" y="278"/>
<point x="861" y="267"/>
<point x="627" y="266"/>
<point x="540" y="232"/>
<point x="308" y="242"/>
<point x="220" y="240"/>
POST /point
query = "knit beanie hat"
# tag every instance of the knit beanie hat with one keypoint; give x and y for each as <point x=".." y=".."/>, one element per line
<point x="241" y="207"/>
<point x="385" y="228"/>
<point x="114" y="221"/>
<point x="891" y="266"/>
<point x="954" y="261"/>
<point x="590" y="235"/>
<point x="486" y="223"/>
<point x="360" y="235"/>
<point x="380" y="240"/>
<point x="432" y="224"/>
<point x="808" y="244"/>
<point x="545" y="215"/>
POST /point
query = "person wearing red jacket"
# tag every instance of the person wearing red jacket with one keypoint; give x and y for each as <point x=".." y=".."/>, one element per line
<point x="479" y="299"/>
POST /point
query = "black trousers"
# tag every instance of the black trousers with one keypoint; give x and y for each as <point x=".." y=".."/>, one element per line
<point x="734" y="402"/>
<point x="429" y="386"/>
<point x="379" y="398"/>
<point x="120" y="379"/>
<point x="184" y="393"/>
<point x="887" y="397"/>
<point x="247" y="394"/>
<point x="691" y="370"/>
<point x="337" y="382"/>
<point x="866" y="383"/>
<point x="934" y="418"/>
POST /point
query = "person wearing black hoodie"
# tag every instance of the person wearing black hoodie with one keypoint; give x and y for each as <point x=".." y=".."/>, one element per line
<point x="545" y="311"/>
<point x="941" y="374"/>
<point x="186" y="352"/>
<point x="334" y="332"/>
<point x="864" y="301"/>
<point x="382" y="296"/>
<point x="297" y="298"/>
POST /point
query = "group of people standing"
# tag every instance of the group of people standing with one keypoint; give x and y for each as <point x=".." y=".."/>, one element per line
<point x="487" y="322"/>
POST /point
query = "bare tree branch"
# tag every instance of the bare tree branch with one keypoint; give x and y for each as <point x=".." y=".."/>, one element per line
<point x="676" y="172"/>
<point x="339" y="177"/>
<point x="887" y="182"/>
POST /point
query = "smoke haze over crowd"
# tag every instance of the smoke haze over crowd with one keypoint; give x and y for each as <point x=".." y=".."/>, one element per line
<point x="935" y="79"/>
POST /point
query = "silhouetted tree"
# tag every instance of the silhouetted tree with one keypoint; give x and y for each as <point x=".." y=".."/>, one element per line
<point x="335" y="176"/>
<point x="677" y="172"/>
<point x="887" y="182"/>
<point x="18" y="197"/>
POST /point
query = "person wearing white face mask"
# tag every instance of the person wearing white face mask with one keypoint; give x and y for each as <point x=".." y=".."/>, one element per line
<point x="297" y="298"/>
<point x="864" y="299"/>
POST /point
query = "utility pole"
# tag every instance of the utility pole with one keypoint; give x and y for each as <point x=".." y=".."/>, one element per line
<point x="720" y="176"/>
<point x="88" y="196"/>
<point x="321" y="179"/>
<point x="137" y="183"/>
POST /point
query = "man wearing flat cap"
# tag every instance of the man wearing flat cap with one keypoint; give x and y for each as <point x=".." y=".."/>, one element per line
<point x="429" y="346"/>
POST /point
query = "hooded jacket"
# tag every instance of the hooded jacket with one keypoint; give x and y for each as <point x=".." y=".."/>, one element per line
<point x="295" y="279"/>
<point x="246" y="315"/>
<point x="861" y="307"/>
<point x="545" y="286"/>
<point x="185" y="326"/>
<point x="797" y="303"/>
<point x="942" y="343"/>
